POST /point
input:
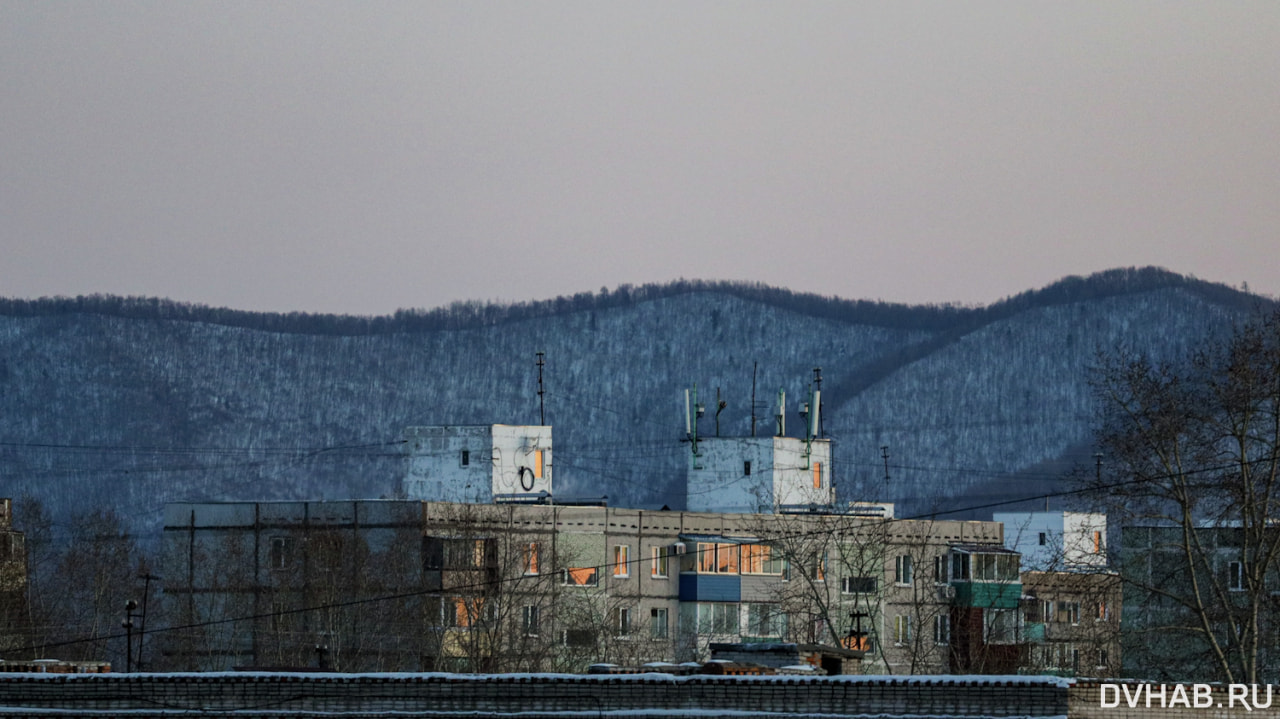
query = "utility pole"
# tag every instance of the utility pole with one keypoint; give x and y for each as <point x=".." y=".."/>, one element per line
<point x="146" y="594"/>
<point x="542" y="411"/>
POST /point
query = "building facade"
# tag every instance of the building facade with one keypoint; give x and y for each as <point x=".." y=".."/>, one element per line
<point x="13" y="581"/>
<point x="413" y="585"/>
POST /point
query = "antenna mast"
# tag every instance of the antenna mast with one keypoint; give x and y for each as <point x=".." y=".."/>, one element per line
<point x="884" y="452"/>
<point x="542" y="410"/>
<point x="817" y="400"/>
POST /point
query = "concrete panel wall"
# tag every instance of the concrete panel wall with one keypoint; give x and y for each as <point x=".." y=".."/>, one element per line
<point x="443" y="695"/>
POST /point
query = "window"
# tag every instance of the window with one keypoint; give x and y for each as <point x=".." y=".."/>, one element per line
<point x="819" y="567"/>
<point x="942" y="629"/>
<point x="467" y="612"/>
<point x="746" y="468"/>
<point x="466" y="458"/>
<point x="903" y="570"/>
<point x="718" y="618"/>
<point x="759" y="559"/>
<point x="529" y="620"/>
<point x="1102" y="657"/>
<point x="621" y="561"/>
<point x="902" y="629"/>
<point x="995" y="567"/>
<point x="766" y="621"/>
<point x="660" y="562"/>
<point x="578" y="637"/>
<point x="1101" y="614"/>
<point x="858" y="585"/>
<point x="817" y="475"/>
<point x="960" y="567"/>
<point x="530" y="558"/>
<point x="620" y="618"/>
<point x="1044" y="539"/>
<point x="717" y="558"/>
<point x="658" y="623"/>
<point x="726" y="559"/>
<point x="1069" y="612"/>
<point x="281" y="552"/>
<point x="940" y="569"/>
<point x="1235" y="576"/>
<point x="1097" y="542"/>
<point x="581" y="577"/>
<point x="1001" y="625"/>
<point x="1046" y="610"/>
<point x="442" y="553"/>
<point x="537" y="464"/>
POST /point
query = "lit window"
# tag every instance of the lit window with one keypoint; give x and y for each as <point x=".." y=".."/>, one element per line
<point x="757" y="559"/>
<point x="717" y="558"/>
<point x="530" y="559"/>
<point x="621" y="563"/>
<point x="468" y="611"/>
<point x="817" y="475"/>
<point x="659" y="568"/>
<point x="1097" y="542"/>
<point x="581" y="577"/>
<point x="537" y="464"/>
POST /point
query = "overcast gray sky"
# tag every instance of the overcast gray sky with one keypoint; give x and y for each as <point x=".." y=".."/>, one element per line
<point x="360" y="157"/>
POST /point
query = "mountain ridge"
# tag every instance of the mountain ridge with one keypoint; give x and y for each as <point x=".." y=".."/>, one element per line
<point x="133" y="402"/>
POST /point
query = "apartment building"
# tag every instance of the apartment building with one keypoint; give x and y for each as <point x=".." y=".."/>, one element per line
<point x="414" y="585"/>
<point x="13" y="580"/>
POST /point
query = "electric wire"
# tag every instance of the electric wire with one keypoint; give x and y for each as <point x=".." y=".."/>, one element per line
<point x="931" y="515"/>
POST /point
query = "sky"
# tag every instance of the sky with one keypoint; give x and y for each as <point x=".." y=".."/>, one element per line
<point x="362" y="157"/>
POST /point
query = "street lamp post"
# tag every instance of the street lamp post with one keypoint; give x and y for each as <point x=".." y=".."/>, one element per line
<point x="129" y="606"/>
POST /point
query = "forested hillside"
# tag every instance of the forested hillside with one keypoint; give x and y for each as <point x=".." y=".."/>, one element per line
<point x="129" y="402"/>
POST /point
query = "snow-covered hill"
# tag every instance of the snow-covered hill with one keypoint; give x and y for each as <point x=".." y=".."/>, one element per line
<point x="132" y="403"/>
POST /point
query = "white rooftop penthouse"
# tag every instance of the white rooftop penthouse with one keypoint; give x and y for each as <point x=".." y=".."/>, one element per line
<point x="479" y="464"/>
<point x="745" y="475"/>
<point x="1056" y="541"/>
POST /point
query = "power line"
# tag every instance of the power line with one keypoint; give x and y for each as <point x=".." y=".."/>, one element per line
<point x="639" y="560"/>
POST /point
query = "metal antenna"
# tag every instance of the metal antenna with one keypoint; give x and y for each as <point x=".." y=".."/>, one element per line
<point x="817" y="385"/>
<point x="542" y="410"/>
<point x="884" y="452"/>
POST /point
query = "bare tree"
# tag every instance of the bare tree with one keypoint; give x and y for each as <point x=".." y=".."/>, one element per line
<point x="1195" y="446"/>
